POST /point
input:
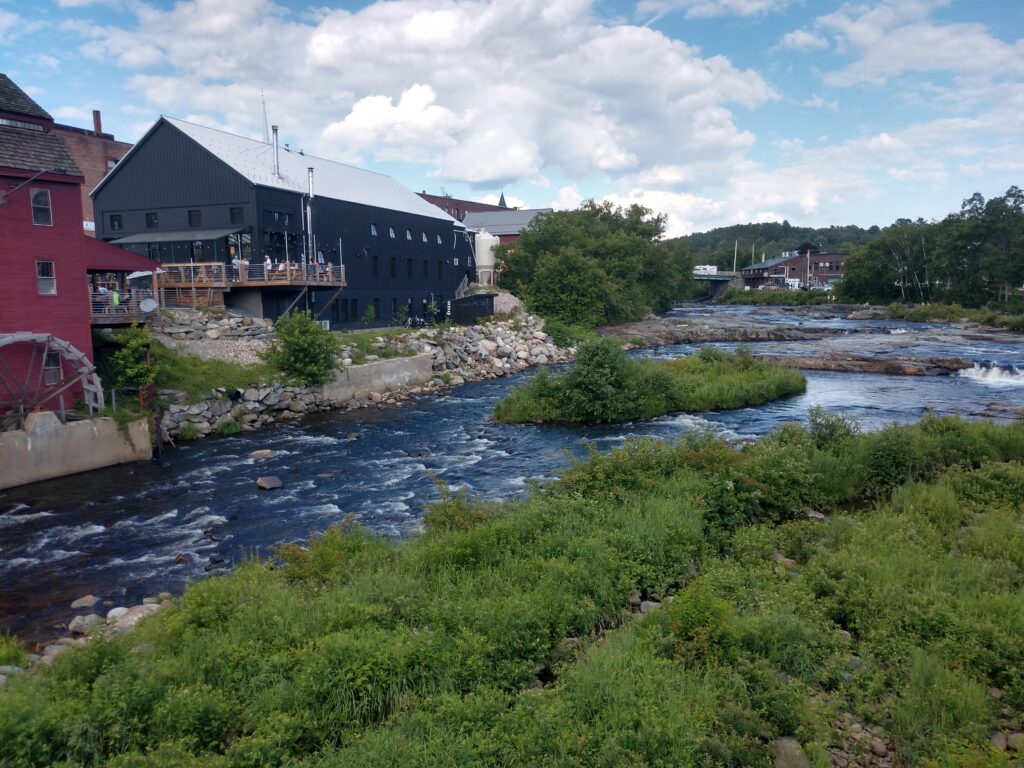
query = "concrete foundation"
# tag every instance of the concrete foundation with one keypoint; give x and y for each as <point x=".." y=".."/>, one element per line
<point x="381" y="376"/>
<point x="46" y="448"/>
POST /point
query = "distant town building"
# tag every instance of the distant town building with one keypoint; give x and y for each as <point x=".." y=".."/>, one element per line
<point x="504" y="224"/>
<point x="95" y="153"/>
<point x="267" y="229"/>
<point x="806" y="267"/>
<point x="457" y="208"/>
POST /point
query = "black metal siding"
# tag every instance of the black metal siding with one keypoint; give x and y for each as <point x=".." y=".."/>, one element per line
<point x="170" y="174"/>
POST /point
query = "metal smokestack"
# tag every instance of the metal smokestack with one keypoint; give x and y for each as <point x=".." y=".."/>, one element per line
<point x="97" y="121"/>
<point x="310" y="170"/>
<point x="310" y="240"/>
<point x="277" y="157"/>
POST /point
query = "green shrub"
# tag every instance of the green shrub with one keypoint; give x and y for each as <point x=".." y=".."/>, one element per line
<point x="302" y="350"/>
<point x="11" y="651"/>
<point x="228" y="427"/>
<point x="604" y="385"/>
<point x="133" y="365"/>
<point x="188" y="431"/>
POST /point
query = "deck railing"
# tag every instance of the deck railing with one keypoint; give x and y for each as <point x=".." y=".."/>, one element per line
<point x="217" y="275"/>
<point x="116" y="308"/>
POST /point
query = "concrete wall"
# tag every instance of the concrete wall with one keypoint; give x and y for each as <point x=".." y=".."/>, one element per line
<point x="46" y="448"/>
<point x="380" y="376"/>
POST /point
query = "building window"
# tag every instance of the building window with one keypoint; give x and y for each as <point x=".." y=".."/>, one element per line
<point x="394" y="308"/>
<point x="41" y="213"/>
<point x="376" y="308"/>
<point x="46" y="279"/>
<point x="426" y="268"/>
<point x="152" y="220"/>
<point x="115" y="222"/>
<point x="393" y="271"/>
<point x="438" y="239"/>
<point x="111" y="162"/>
<point x="195" y="218"/>
<point x="236" y="215"/>
<point x="408" y="234"/>
<point x="457" y="214"/>
<point x="375" y="265"/>
<point x="424" y="237"/>
<point x="455" y="261"/>
<point x="391" y="232"/>
<point x="373" y="230"/>
<point x="268" y="217"/>
<point x="52" y="371"/>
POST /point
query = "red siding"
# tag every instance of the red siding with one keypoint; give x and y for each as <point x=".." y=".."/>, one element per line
<point x="66" y="314"/>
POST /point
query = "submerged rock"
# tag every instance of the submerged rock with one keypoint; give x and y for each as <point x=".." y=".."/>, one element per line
<point x="85" y="602"/>
<point x="81" y="625"/>
<point x="269" y="483"/>
<point x="263" y="453"/>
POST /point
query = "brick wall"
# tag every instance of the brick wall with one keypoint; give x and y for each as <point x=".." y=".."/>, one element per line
<point x="456" y="208"/>
<point x="91" y="151"/>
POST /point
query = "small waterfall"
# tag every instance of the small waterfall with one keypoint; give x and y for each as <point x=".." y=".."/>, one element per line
<point x="999" y="374"/>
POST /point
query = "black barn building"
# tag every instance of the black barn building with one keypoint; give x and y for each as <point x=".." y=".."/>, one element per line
<point x="266" y="229"/>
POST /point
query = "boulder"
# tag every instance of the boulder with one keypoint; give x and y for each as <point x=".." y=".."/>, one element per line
<point x="262" y="453"/>
<point x="269" y="483"/>
<point x="649" y="605"/>
<point x="1015" y="741"/>
<point x="81" y="625"/>
<point x="85" y="602"/>
<point x="789" y="754"/>
<point x="116" y="613"/>
<point x="131" y="617"/>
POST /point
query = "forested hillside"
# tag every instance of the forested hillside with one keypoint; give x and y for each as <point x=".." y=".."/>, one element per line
<point x="716" y="245"/>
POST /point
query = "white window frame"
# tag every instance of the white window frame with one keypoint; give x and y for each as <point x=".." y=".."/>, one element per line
<point x="373" y="230"/>
<point x="391" y="232"/>
<point x="51" y="277"/>
<point x="33" y="191"/>
<point x="424" y="237"/>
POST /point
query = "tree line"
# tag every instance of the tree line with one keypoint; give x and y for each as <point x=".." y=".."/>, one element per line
<point x="972" y="257"/>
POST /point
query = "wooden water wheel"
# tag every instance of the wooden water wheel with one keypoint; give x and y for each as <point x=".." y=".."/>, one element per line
<point x="36" y="369"/>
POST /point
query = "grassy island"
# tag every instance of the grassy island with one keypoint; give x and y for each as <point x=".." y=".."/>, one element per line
<point x="606" y="386"/>
<point x="661" y="604"/>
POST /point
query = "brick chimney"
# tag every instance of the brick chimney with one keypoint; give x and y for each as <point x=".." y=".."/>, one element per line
<point x="97" y="123"/>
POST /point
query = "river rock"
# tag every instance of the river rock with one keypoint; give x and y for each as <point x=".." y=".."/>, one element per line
<point x="1015" y="741"/>
<point x="3" y="680"/>
<point x="85" y="602"/>
<point x="131" y="617"/>
<point x="649" y="605"/>
<point x="10" y="669"/>
<point x="269" y="483"/>
<point x="116" y="613"/>
<point x="81" y="625"/>
<point x="262" y="453"/>
<point x="998" y="739"/>
<point x="878" y="748"/>
<point x="789" y="754"/>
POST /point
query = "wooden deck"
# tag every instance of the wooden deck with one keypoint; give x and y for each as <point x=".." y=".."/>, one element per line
<point x="103" y="310"/>
<point x="225" y="276"/>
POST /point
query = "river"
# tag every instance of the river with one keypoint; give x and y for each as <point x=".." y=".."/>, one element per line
<point x="135" y="530"/>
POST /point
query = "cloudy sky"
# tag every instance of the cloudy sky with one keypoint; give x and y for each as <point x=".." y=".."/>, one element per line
<point x="711" y="111"/>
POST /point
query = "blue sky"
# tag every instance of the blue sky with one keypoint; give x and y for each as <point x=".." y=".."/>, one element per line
<point x="710" y="111"/>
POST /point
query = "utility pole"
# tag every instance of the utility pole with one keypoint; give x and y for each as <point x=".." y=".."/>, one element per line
<point x="735" y="252"/>
<point x="752" y="250"/>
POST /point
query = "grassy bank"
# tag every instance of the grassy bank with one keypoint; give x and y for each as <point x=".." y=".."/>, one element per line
<point x="954" y="313"/>
<point x="501" y="635"/>
<point x="604" y="385"/>
<point x="775" y="298"/>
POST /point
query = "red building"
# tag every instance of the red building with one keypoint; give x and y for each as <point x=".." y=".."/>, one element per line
<point x="45" y="335"/>
<point x="95" y="153"/>
<point x="806" y="267"/>
<point x="458" y="209"/>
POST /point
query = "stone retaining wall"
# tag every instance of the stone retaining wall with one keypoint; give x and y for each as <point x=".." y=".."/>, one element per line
<point x="188" y="324"/>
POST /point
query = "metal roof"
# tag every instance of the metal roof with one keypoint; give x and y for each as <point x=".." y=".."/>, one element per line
<point x="255" y="161"/>
<point x="790" y="256"/>
<point x="510" y="222"/>
<point x="101" y="256"/>
<point x="179" y="236"/>
<point x="13" y="99"/>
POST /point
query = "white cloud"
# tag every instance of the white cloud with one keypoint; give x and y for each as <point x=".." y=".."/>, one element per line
<point x="76" y="114"/>
<point x="802" y="40"/>
<point x="568" y="199"/>
<point x="484" y="92"/>
<point x="896" y="37"/>
<point x="703" y="9"/>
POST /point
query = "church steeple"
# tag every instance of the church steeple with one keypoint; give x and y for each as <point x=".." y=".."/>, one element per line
<point x="501" y="202"/>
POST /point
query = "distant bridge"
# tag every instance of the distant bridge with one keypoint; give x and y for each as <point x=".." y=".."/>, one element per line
<point x="720" y="282"/>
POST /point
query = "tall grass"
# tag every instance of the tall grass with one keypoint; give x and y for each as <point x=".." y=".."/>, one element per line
<point x="357" y="651"/>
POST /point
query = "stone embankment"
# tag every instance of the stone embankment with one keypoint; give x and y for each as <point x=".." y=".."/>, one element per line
<point x="457" y="355"/>
<point x="191" y="325"/>
<point x="658" y="331"/>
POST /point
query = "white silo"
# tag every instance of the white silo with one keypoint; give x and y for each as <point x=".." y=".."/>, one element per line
<point x="485" y="245"/>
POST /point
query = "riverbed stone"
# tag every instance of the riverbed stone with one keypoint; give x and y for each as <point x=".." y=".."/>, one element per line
<point x="81" y="625"/>
<point x="789" y="754"/>
<point x="131" y="617"/>
<point x="262" y="453"/>
<point x="116" y="613"/>
<point x="10" y="669"/>
<point x="1015" y="741"/>
<point x="85" y="602"/>
<point x="269" y="483"/>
